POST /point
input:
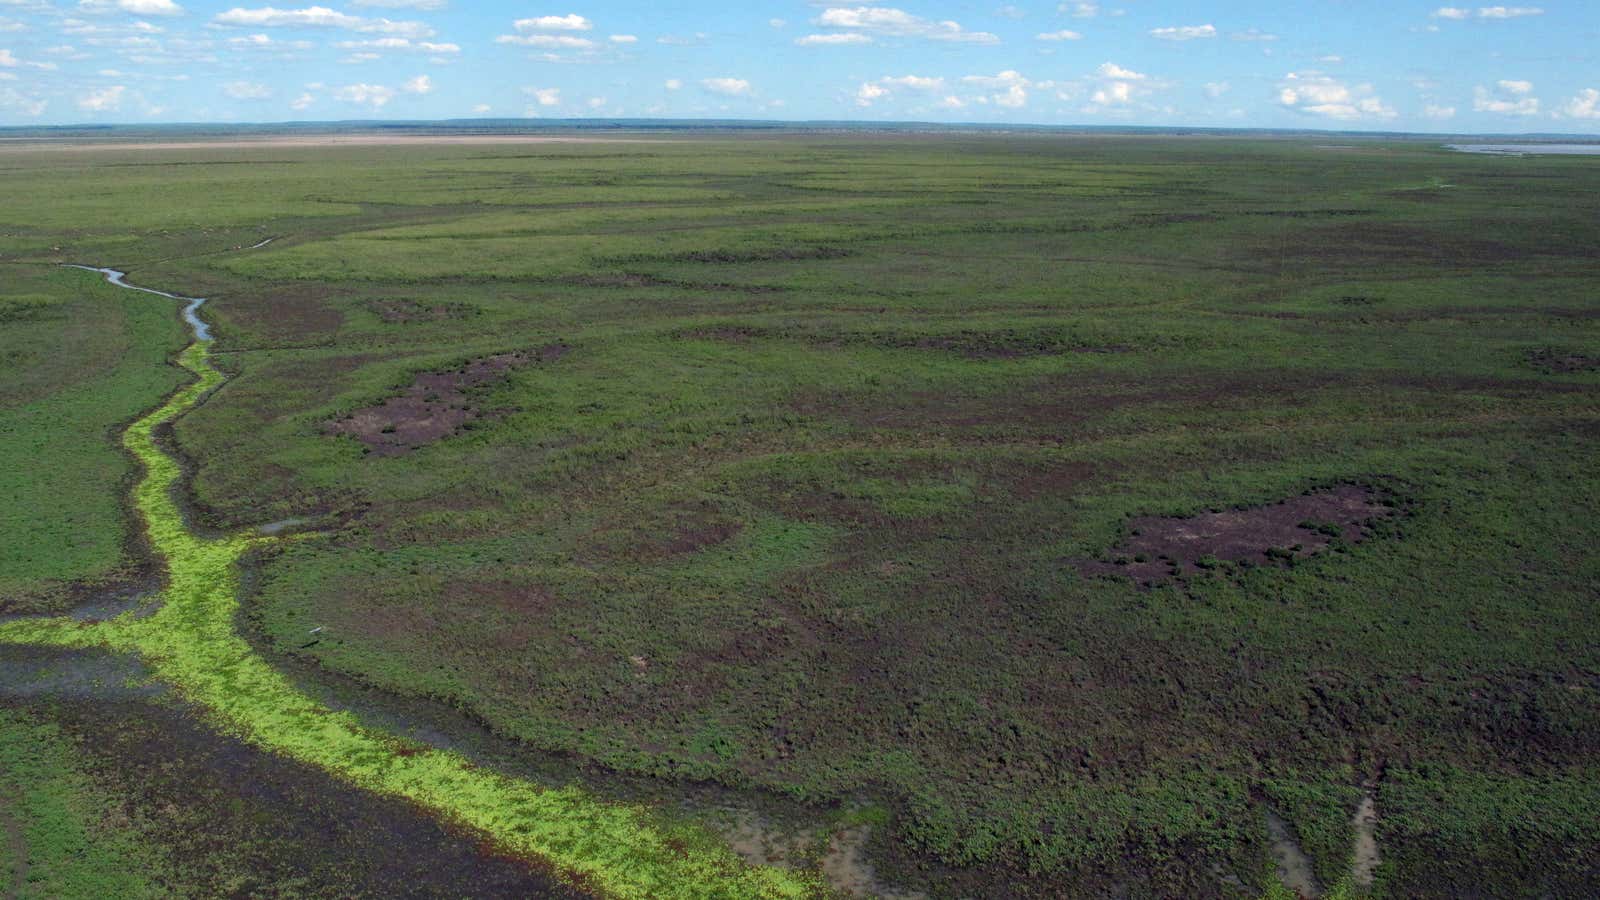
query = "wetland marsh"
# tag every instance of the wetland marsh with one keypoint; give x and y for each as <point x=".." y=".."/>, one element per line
<point x="1043" y="515"/>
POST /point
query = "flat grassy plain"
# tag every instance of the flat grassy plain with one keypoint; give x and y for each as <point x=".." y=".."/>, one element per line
<point x="803" y="451"/>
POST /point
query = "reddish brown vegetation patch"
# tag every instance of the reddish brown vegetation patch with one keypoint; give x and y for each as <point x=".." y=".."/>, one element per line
<point x="1373" y="244"/>
<point x="735" y="334"/>
<point x="1158" y="547"/>
<point x="435" y="405"/>
<point x="1559" y="362"/>
<point x="980" y="345"/>
<point x="614" y="280"/>
<point x="678" y="530"/>
<point x="399" y="312"/>
<point x="303" y="315"/>
<point x="1048" y="404"/>
<point x="973" y="344"/>
<point x="1054" y="481"/>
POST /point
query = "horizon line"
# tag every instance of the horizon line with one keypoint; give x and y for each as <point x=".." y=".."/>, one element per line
<point x="668" y="124"/>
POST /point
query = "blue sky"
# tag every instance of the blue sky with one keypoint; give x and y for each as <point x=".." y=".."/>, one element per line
<point x="1338" y="64"/>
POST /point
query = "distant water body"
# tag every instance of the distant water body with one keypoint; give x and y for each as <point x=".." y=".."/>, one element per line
<point x="1529" y="149"/>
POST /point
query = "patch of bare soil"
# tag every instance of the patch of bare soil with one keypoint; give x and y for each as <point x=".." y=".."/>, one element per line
<point x="1364" y="865"/>
<point x="435" y="406"/>
<point x="843" y="859"/>
<point x="1159" y="547"/>
<point x="1559" y="362"/>
<point x="1292" y="864"/>
<point x="847" y="870"/>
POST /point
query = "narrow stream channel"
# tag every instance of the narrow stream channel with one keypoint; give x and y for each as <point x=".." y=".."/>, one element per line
<point x="190" y="642"/>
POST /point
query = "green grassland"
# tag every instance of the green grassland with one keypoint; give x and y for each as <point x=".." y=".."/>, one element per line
<point x="77" y="358"/>
<point x="800" y="508"/>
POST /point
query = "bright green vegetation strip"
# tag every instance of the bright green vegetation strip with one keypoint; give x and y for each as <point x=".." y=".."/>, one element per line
<point x="191" y="643"/>
<point x="51" y="842"/>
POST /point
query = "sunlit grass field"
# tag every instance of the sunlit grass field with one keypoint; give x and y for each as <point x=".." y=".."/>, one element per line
<point x="803" y="506"/>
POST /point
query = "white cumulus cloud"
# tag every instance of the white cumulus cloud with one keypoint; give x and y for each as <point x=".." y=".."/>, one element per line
<point x="544" y="96"/>
<point x="1116" y="86"/>
<point x="891" y="22"/>
<point x="1010" y="88"/>
<point x="1064" y="34"/>
<point x="10" y="98"/>
<point x="885" y="87"/>
<point x="1508" y="12"/>
<point x="319" y="17"/>
<point x="1317" y="94"/>
<point x="107" y="99"/>
<point x="401" y="44"/>
<point x="134" y="7"/>
<point x="246" y="90"/>
<point x="547" y="41"/>
<point x="729" y="87"/>
<point x="1510" y="98"/>
<point x="569" y="22"/>
<point x="841" y="37"/>
<point x="1459" y="13"/>
<point x="425" y="5"/>
<point x="1586" y="105"/>
<point x="374" y="95"/>
<point x="1184" y="32"/>
<point x="869" y="92"/>
<point x="914" y="82"/>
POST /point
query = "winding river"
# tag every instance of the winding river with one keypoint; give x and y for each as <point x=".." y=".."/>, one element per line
<point x="190" y="643"/>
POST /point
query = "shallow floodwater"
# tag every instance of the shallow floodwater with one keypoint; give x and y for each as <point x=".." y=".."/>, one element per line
<point x="191" y="312"/>
<point x="1529" y="149"/>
